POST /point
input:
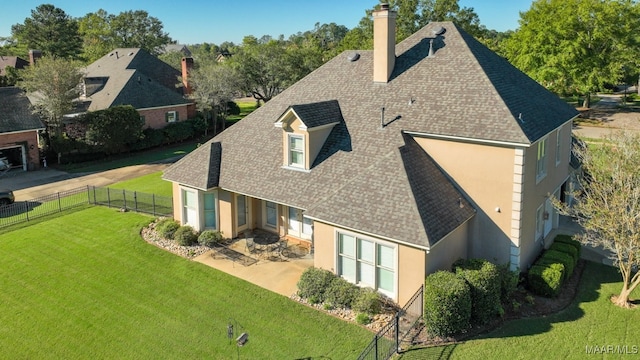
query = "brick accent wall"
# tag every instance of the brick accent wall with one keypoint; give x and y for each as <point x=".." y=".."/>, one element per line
<point x="155" y="118"/>
<point x="30" y="139"/>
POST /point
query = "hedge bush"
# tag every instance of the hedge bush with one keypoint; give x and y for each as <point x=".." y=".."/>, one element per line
<point x="566" y="239"/>
<point x="341" y="293"/>
<point x="210" y="238"/>
<point x="484" y="280"/>
<point x="185" y="236"/>
<point x="567" y="249"/>
<point x="565" y="259"/>
<point x="546" y="279"/>
<point x="508" y="282"/>
<point x="313" y="284"/>
<point x="447" y="304"/>
<point x="177" y="131"/>
<point x="367" y="301"/>
<point x="167" y="228"/>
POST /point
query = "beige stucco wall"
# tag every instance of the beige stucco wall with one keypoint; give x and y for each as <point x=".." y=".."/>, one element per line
<point x="485" y="174"/>
<point x="177" y="202"/>
<point x="225" y="214"/>
<point x="448" y="250"/>
<point x="535" y="194"/>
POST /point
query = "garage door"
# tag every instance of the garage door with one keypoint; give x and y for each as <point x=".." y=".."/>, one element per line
<point x="16" y="156"/>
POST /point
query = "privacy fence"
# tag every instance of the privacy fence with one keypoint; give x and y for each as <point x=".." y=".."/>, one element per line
<point x="29" y="210"/>
<point x="402" y="328"/>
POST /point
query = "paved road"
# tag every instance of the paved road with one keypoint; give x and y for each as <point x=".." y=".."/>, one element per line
<point x="32" y="184"/>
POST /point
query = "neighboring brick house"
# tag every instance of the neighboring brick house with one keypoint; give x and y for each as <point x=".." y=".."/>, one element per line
<point x="391" y="164"/>
<point x="132" y="76"/>
<point x="19" y="128"/>
<point x="12" y="61"/>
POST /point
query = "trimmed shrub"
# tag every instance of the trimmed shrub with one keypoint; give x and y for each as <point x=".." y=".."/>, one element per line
<point x="484" y="280"/>
<point x="210" y="238"/>
<point x="367" y="301"/>
<point x="177" y="131"/>
<point x="447" y="304"/>
<point x="566" y="239"/>
<point x="313" y="283"/>
<point x="233" y="108"/>
<point x="185" y="236"/>
<point x="341" y="293"/>
<point x="567" y="249"/>
<point x="559" y="257"/>
<point x="546" y="279"/>
<point x="363" y="319"/>
<point x="167" y="227"/>
<point x="508" y="282"/>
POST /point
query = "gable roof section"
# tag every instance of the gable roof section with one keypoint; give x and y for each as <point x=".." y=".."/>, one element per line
<point x="15" y="111"/>
<point x="201" y="177"/>
<point x="133" y="77"/>
<point x="318" y="114"/>
<point x="369" y="176"/>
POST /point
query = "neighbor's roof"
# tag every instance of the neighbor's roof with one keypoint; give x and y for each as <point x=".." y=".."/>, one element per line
<point x="131" y="76"/>
<point x="377" y="179"/>
<point x="13" y="61"/>
<point x="15" y="111"/>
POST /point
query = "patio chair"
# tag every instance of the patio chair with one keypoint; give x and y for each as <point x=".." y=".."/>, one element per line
<point x="281" y="248"/>
<point x="250" y="246"/>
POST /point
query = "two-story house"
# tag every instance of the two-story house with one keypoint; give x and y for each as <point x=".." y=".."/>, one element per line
<point x="393" y="163"/>
<point x="132" y="76"/>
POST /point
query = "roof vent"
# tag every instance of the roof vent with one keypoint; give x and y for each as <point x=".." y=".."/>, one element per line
<point x="131" y="53"/>
<point x="440" y="31"/>
<point x="111" y="54"/>
<point x="353" y="57"/>
<point x="430" y="48"/>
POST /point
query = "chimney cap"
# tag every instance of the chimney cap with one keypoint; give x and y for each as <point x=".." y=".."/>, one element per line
<point x="384" y="6"/>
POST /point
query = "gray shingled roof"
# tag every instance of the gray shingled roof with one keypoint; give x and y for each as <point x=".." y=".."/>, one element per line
<point x="13" y="61"/>
<point x="318" y="114"/>
<point x="136" y="78"/>
<point x="376" y="179"/>
<point x="15" y="111"/>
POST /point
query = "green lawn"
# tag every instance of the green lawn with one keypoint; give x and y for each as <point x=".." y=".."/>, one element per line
<point x="151" y="183"/>
<point x="590" y="320"/>
<point x="85" y="285"/>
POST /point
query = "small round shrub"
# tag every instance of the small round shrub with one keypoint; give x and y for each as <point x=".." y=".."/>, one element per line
<point x="447" y="304"/>
<point x="508" y="282"/>
<point x="185" y="236"/>
<point x="367" y="301"/>
<point x="341" y="293"/>
<point x="313" y="283"/>
<point x="363" y="319"/>
<point x="167" y="228"/>
<point x="565" y="259"/>
<point x="566" y="239"/>
<point x="568" y="249"/>
<point x="484" y="280"/>
<point x="210" y="238"/>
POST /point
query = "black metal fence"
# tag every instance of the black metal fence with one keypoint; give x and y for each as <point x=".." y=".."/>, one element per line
<point x="29" y="210"/>
<point x="387" y="341"/>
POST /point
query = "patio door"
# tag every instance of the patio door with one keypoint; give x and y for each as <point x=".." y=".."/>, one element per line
<point x="299" y="225"/>
<point x="242" y="212"/>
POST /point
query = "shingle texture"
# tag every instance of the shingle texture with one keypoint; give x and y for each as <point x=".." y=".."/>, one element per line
<point x="15" y="111"/>
<point x="131" y="76"/>
<point x="373" y="177"/>
<point x="318" y="114"/>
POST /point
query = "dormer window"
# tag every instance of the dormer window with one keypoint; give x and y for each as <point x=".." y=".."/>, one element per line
<point x="305" y="128"/>
<point x="296" y="151"/>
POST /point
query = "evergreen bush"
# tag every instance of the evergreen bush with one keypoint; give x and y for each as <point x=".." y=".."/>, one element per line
<point x="341" y="293"/>
<point x="185" y="236"/>
<point x="567" y="249"/>
<point x="484" y="280"/>
<point x="566" y="239"/>
<point x="546" y="279"/>
<point x="565" y="259"/>
<point x="313" y="284"/>
<point x="367" y="301"/>
<point x="167" y="227"/>
<point x="210" y="238"/>
<point x="447" y="304"/>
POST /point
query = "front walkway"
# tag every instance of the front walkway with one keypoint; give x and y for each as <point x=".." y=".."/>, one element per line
<point x="279" y="276"/>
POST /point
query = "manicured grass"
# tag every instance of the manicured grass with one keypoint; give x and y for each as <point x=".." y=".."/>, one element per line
<point x="150" y="183"/>
<point x="85" y="285"/>
<point x="590" y="320"/>
<point x="246" y="108"/>
<point x="145" y="157"/>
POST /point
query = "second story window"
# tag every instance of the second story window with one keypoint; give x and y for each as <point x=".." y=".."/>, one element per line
<point x="296" y="151"/>
<point x="541" y="170"/>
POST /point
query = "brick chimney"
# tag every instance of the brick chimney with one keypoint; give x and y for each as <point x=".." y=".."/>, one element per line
<point x="187" y="65"/>
<point x="34" y="55"/>
<point x="384" y="43"/>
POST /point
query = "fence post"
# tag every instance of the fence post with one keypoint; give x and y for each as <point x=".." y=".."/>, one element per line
<point x="26" y="209"/>
<point x="135" y="200"/>
<point x="124" y="198"/>
<point x="397" y="321"/>
<point x="375" y="347"/>
<point x="59" y="203"/>
<point x="153" y="203"/>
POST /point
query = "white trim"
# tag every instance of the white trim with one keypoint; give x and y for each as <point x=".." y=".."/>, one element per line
<point x="290" y="163"/>
<point x="466" y="139"/>
<point x="163" y="107"/>
<point x="21" y="131"/>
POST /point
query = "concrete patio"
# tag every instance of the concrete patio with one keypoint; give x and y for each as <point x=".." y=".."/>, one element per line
<point x="278" y="274"/>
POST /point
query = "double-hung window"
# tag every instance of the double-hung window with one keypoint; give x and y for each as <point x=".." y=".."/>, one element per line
<point x="171" y="116"/>
<point x="541" y="164"/>
<point x="190" y="207"/>
<point x="558" y="147"/>
<point x="366" y="262"/>
<point x="296" y="151"/>
<point x="271" y="214"/>
<point x="210" y="218"/>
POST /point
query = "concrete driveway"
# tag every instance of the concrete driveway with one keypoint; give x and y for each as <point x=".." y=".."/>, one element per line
<point x="28" y="185"/>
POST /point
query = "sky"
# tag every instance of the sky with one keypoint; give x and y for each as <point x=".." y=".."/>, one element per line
<point x="217" y="21"/>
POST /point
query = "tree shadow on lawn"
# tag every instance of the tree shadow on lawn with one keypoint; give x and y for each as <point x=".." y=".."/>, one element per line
<point x="18" y="208"/>
<point x="587" y="289"/>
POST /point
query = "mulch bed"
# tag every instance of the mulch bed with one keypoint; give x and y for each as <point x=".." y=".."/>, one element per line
<point x="531" y="305"/>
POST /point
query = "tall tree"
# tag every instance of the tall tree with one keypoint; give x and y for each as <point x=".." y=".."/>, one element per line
<point x="54" y="83"/>
<point x="576" y="46"/>
<point x="139" y="30"/>
<point x="97" y="37"/>
<point x="50" y="30"/>
<point x="608" y="205"/>
<point x="214" y="85"/>
<point x="112" y="129"/>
